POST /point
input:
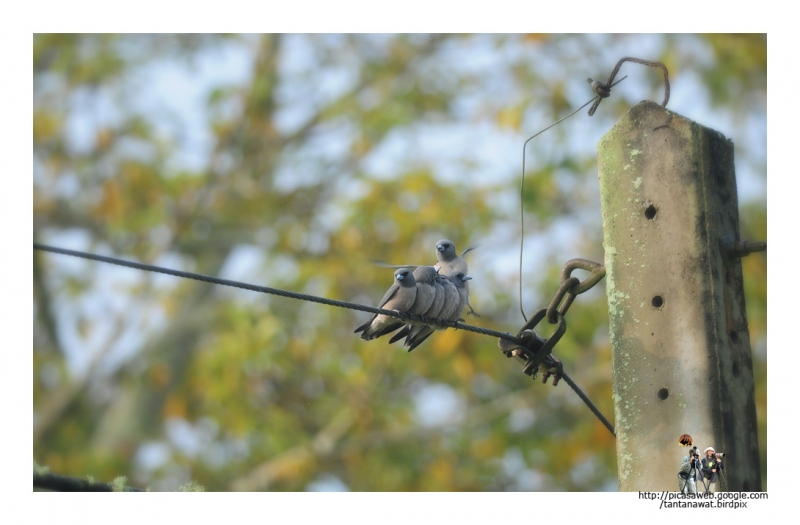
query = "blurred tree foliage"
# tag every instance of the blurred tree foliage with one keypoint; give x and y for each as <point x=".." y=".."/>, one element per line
<point x="166" y="381"/>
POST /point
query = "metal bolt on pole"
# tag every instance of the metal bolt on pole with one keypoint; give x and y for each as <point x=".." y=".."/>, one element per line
<point x="681" y="348"/>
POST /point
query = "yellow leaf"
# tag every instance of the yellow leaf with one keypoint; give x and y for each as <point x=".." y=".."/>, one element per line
<point x="509" y="118"/>
<point x="440" y="474"/>
<point x="463" y="368"/>
<point x="535" y="37"/>
<point x="160" y="374"/>
<point x="445" y="342"/>
<point x="111" y="206"/>
<point x="175" y="406"/>
<point x="485" y="448"/>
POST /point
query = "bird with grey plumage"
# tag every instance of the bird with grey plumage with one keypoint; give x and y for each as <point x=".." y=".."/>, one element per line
<point x="451" y="299"/>
<point x="454" y="294"/>
<point x="459" y="279"/>
<point x="447" y="262"/>
<point x="400" y="297"/>
<point x="425" y="277"/>
<point x="446" y="259"/>
<point x="437" y="302"/>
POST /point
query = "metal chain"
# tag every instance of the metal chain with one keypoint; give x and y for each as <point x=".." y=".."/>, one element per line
<point x="571" y="287"/>
<point x="536" y="351"/>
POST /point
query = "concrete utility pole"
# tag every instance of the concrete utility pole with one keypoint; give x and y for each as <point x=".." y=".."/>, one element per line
<point x="681" y="347"/>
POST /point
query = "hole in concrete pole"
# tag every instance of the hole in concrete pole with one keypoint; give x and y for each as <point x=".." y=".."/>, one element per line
<point x="657" y="301"/>
<point x="650" y="212"/>
<point x="662" y="394"/>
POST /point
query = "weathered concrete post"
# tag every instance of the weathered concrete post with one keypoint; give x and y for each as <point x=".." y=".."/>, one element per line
<point x="681" y="347"/>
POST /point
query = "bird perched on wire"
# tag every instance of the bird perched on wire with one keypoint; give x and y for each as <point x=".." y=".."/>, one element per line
<point x="454" y="299"/>
<point x="446" y="259"/>
<point x="400" y="297"/>
<point x="437" y="303"/>
<point x="447" y="263"/>
<point x="425" y="277"/>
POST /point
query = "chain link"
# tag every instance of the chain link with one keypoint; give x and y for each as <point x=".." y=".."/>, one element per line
<point x="571" y="287"/>
<point x="535" y="350"/>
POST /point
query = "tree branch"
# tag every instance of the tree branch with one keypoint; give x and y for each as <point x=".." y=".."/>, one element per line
<point x="287" y="463"/>
<point x="55" y="482"/>
<point x="45" y="308"/>
<point x="63" y="398"/>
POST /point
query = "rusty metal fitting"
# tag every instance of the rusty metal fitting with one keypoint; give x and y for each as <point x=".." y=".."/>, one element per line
<point x="564" y="294"/>
<point x="571" y="287"/>
<point x="743" y="248"/>
<point x="536" y="351"/>
<point x="556" y="371"/>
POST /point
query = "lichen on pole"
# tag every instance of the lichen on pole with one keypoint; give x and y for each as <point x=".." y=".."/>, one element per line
<point x="680" y="343"/>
